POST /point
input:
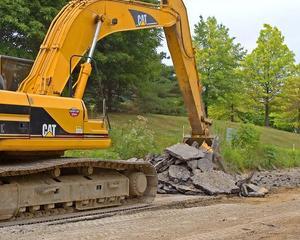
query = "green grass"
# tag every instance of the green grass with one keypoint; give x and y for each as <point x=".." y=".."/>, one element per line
<point x="168" y="130"/>
<point x="269" y="136"/>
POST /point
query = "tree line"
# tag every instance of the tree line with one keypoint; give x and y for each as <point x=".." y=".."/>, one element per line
<point x="260" y="87"/>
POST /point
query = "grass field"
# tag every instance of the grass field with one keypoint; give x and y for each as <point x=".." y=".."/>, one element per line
<point x="168" y="130"/>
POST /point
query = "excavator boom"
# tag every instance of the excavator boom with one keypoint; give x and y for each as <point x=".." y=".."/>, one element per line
<point x="72" y="32"/>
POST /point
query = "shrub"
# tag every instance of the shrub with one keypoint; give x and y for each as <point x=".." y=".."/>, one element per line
<point x="270" y="155"/>
<point x="133" y="140"/>
<point x="235" y="158"/>
<point x="247" y="137"/>
<point x="242" y="154"/>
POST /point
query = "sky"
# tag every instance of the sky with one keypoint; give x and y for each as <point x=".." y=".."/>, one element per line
<point x="245" y="19"/>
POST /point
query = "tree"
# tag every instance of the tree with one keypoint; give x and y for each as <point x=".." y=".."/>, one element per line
<point x="24" y="23"/>
<point x="162" y="94"/>
<point x="287" y="108"/>
<point x="267" y="68"/>
<point x="233" y="105"/>
<point x="218" y="57"/>
<point x="126" y="62"/>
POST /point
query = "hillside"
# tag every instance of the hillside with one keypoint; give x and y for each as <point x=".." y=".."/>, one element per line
<point x="169" y="130"/>
<point x="275" y="147"/>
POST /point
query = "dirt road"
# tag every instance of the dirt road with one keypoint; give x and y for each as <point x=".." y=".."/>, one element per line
<point x="274" y="217"/>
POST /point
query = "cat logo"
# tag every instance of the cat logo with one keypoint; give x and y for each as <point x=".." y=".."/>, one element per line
<point x="48" y="130"/>
<point x="142" y="19"/>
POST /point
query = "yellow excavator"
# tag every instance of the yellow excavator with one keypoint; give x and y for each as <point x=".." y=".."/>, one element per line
<point x="38" y="124"/>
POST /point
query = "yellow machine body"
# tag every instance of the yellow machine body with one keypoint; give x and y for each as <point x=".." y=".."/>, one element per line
<point x="33" y="122"/>
<point x="37" y="117"/>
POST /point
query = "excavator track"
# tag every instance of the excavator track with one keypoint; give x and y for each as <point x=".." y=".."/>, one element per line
<point x="48" y="188"/>
<point x="71" y="216"/>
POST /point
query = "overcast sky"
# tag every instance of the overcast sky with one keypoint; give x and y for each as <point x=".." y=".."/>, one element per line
<point x="246" y="18"/>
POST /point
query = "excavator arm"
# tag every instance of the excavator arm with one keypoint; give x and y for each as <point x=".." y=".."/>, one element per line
<point x="81" y="23"/>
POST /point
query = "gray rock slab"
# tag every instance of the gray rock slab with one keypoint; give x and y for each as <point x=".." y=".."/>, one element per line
<point x="251" y="190"/>
<point x="184" y="152"/>
<point x="163" y="177"/>
<point x="159" y="165"/>
<point x="168" y="188"/>
<point x="179" y="172"/>
<point x="178" y="162"/>
<point x="193" y="164"/>
<point x="205" y="164"/>
<point x="195" y="145"/>
<point x="189" y="190"/>
<point x="164" y="164"/>
<point x="215" y="182"/>
<point x="161" y="191"/>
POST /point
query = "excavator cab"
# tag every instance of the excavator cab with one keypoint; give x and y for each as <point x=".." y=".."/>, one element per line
<point x="12" y="72"/>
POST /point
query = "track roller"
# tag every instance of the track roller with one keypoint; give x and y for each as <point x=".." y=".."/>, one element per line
<point x="86" y="171"/>
<point x="137" y="183"/>
<point x="55" y="173"/>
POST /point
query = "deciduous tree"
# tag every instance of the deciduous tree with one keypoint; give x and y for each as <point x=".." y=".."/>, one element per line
<point x="218" y="57"/>
<point x="267" y="68"/>
<point x="24" y="23"/>
<point x="287" y="108"/>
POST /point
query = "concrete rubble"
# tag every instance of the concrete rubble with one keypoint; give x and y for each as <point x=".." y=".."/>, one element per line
<point x="286" y="178"/>
<point x="251" y="190"/>
<point x="193" y="170"/>
<point x="215" y="182"/>
<point x="184" y="152"/>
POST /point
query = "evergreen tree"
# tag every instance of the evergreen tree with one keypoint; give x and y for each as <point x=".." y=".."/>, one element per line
<point x="126" y="62"/>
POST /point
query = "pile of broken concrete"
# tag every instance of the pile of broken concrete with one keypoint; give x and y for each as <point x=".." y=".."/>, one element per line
<point x="193" y="170"/>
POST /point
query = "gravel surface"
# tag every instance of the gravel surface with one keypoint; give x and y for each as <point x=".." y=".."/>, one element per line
<point x="276" y="216"/>
<point x="278" y="178"/>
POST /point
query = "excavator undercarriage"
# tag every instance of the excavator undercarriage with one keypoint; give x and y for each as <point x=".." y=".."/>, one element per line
<point x="35" y="189"/>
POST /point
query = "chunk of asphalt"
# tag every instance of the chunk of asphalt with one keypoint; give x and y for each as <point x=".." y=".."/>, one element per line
<point x="184" y="152"/>
<point x="163" y="165"/>
<point x="215" y="182"/>
<point x="161" y="191"/>
<point x="251" y="190"/>
<point x="195" y="145"/>
<point x="193" y="164"/>
<point x="189" y="190"/>
<point x="205" y="164"/>
<point x="169" y="189"/>
<point x="163" y="177"/>
<point x="179" y="172"/>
